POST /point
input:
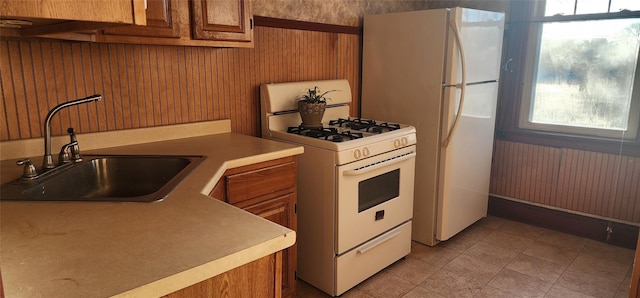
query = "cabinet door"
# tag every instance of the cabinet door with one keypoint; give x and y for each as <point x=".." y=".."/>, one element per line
<point x="108" y="11"/>
<point x="281" y="210"/>
<point x="257" y="279"/>
<point x="267" y="189"/>
<point x="162" y="21"/>
<point x="223" y="20"/>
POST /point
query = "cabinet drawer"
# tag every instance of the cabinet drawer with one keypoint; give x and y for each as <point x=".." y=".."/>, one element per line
<point x="247" y="185"/>
<point x="367" y="259"/>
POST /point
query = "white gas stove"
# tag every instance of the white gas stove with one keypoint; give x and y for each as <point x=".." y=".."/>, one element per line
<point x="355" y="186"/>
<point x="355" y="138"/>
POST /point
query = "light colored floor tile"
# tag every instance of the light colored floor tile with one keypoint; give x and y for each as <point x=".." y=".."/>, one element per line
<point x="589" y="284"/>
<point x="497" y="258"/>
<point x="623" y="292"/>
<point x="520" y="229"/>
<point x="491" y="254"/>
<point x="472" y="268"/>
<point x="449" y="284"/>
<point x="609" y="252"/>
<point x="420" y="292"/>
<point x="305" y="290"/>
<point x="520" y="284"/>
<point x="354" y="293"/>
<point x="536" y="267"/>
<point x="412" y="270"/>
<point x="491" y="292"/>
<point x="552" y="253"/>
<point x="467" y="238"/>
<point x="601" y="267"/>
<point x="625" y="286"/>
<point x="509" y="241"/>
<point x="385" y="285"/>
<point x="492" y="222"/>
<point x="561" y="292"/>
<point x="436" y="256"/>
<point x="562" y="239"/>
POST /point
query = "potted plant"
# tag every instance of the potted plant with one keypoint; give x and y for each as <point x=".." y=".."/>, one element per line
<point x="311" y="107"/>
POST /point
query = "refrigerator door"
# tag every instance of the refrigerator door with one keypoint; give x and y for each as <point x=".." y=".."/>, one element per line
<point x="465" y="164"/>
<point x="481" y="33"/>
<point x="403" y="63"/>
<point x="465" y="157"/>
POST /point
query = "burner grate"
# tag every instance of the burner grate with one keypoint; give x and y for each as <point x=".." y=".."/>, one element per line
<point x="365" y="125"/>
<point x="328" y="133"/>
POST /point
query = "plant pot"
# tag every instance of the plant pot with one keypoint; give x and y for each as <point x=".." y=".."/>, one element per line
<point x="311" y="114"/>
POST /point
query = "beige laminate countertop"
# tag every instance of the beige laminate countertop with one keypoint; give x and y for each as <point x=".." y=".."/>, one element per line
<point x="72" y="249"/>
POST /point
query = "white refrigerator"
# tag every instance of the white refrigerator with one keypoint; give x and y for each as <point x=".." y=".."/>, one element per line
<point x="438" y="70"/>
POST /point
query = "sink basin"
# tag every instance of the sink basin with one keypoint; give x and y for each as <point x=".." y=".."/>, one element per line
<point x="115" y="178"/>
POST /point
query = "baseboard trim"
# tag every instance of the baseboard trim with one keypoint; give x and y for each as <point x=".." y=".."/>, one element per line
<point x="593" y="228"/>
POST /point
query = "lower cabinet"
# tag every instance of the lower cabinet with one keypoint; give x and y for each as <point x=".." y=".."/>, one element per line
<point x="267" y="189"/>
<point x="259" y="279"/>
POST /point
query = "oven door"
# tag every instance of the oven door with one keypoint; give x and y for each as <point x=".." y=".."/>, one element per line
<point x="374" y="196"/>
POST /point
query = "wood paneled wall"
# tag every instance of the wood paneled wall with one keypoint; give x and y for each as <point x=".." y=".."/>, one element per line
<point x="601" y="184"/>
<point x="146" y="85"/>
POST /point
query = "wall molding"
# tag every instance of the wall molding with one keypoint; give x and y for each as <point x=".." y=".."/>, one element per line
<point x="623" y="235"/>
<point x="303" y="25"/>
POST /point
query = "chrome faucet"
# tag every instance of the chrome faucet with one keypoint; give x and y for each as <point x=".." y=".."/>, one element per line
<point x="47" y="162"/>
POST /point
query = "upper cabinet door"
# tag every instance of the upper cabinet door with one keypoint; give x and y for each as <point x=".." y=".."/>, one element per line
<point x="106" y="11"/>
<point x="222" y="20"/>
<point x="162" y="21"/>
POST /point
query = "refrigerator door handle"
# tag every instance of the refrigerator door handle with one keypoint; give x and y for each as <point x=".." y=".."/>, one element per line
<point x="462" y="85"/>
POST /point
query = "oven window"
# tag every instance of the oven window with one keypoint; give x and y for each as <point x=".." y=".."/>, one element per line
<point x="378" y="189"/>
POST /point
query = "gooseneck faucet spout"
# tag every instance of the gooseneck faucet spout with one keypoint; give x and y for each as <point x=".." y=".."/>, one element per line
<point x="47" y="162"/>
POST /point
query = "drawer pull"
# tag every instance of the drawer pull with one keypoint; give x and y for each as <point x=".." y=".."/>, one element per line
<point x="380" y="240"/>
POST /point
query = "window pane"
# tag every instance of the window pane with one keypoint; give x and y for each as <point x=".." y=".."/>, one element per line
<point x="585" y="73"/>
<point x="618" y="5"/>
<point x="562" y="7"/>
<point x="592" y="6"/>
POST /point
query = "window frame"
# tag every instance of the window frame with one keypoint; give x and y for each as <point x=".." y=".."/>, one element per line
<point x="521" y="24"/>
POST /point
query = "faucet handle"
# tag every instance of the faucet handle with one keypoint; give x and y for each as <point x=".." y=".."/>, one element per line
<point x="75" y="148"/>
<point x="29" y="170"/>
<point x="63" y="157"/>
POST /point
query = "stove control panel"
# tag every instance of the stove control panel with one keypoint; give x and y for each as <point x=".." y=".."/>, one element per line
<point x="375" y="148"/>
<point x="401" y="142"/>
<point x="361" y="153"/>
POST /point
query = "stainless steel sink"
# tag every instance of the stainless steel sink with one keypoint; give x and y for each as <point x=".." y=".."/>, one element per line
<point x="114" y="178"/>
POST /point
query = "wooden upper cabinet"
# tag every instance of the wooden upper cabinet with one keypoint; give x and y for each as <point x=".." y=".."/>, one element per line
<point x="222" y="20"/>
<point x="162" y="21"/>
<point x="54" y="16"/>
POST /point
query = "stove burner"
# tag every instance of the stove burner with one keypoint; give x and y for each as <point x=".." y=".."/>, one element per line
<point x="344" y="135"/>
<point x="312" y="132"/>
<point x="389" y="126"/>
<point x="365" y="124"/>
<point x="357" y="123"/>
<point x="327" y="133"/>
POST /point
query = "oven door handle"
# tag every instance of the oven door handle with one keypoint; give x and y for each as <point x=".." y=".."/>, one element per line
<point x="375" y="166"/>
<point x="378" y="241"/>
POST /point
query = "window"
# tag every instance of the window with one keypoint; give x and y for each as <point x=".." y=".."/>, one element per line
<point x="580" y="77"/>
<point x="572" y="73"/>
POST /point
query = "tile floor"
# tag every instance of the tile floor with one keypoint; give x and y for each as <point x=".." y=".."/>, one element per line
<point x="497" y="257"/>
